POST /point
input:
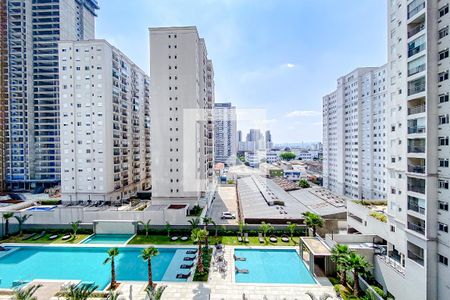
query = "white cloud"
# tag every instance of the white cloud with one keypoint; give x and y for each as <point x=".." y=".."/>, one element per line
<point x="288" y="65"/>
<point x="303" y="113"/>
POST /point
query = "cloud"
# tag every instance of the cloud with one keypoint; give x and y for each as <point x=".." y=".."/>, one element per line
<point x="303" y="113"/>
<point x="288" y="66"/>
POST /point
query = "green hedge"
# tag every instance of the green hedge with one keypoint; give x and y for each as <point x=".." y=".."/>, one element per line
<point x="206" y="256"/>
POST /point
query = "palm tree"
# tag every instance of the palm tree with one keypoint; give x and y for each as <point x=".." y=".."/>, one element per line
<point x="199" y="235"/>
<point x="27" y="293"/>
<point x="339" y="254"/>
<point x="215" y="227"/>
<point x="241" y="227"/>
<point x="265" y="228"/>
<point x="7" y="216"/>
<point x="291" y="227"/>
<point x="324" y="296"/>
<point x="147" y="255"/>
<point x="359" y="265"/>
<point x="312" y="220"/>
<point x="75" y="227"/>
<point x="113" y="295"/>
<point x="206" y="222"/>
<point x="146" y="226"/>
<point x="154" y="293"/>
<point x="80" y="292"/>
<point x="21" y="220"/>
<point x="168" y="227"/>
<point x="112" y="253"/>
<point x="194" y="222"/>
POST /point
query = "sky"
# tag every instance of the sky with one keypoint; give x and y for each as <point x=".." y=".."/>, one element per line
<point x="277" y="57"/>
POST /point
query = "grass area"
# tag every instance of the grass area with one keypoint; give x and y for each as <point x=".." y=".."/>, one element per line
<point x="206" y="255"/>
<point x="45" y="240"/>
<point x="226" y="240"/>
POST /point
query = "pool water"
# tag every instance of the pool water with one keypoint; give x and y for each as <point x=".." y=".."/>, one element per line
<point x="272" y="266"/>
<point x="86" y="264"/>
<point x="42" y="208"/>
<point x="108" y="239"/>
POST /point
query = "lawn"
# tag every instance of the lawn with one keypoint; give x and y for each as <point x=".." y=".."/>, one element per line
<point x="45" y="240"/>
<point x="227" y="240"/>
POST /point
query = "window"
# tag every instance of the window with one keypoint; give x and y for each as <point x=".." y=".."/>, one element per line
<point x="443" y="184"/>
<point x="443" y="162"/>
<point x="443" y="11"/>
<point x="442" y="227"/>
<point x="443" y="205"/>
<point x="443" y="260"/>
<point x="443" y="119"/>
<point x="443" y="76"/>
<point x="443" y="98"/>
<point x="443" y="32"/>
<point x="443" y="54"/>
<point x="443" y="141"/>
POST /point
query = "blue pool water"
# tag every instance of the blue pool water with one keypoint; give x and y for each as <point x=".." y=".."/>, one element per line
<point x="86" y="264"/>
<point x="272" y="266"/>
<point x="108" y="239"/>
<point x="42" y="208"/>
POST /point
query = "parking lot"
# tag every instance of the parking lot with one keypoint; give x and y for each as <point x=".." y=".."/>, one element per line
<point x="225" y="200"/>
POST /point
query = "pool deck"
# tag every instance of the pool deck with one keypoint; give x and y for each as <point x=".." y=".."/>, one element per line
<point x="219" y="286"/>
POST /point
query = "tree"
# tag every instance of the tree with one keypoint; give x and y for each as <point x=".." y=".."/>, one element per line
<point x="21" y="220"/>
<point x="241" y="227"/>
<point x="359" y="265"/>
<point x="312" y="220"/>
<point x="340" y="254"/>
<point x="199" y="235"/>
<point x="112" y="253"/>
<point x="7" y="216"/>
<point x="194" y="223"/>
<point x="80" y="292"/>
<point x="207" y="221"/>
<point x="26" y="293"/>
<point x="168" y="227"/>
<point x="291" y="227"/>
<point x="75" y="227"/>
<point x="215" y="227"/>
<point x="265" y="228"/>
<point x="303" y="183"/>
<point x="155" y="293"/>
<point x="324" y="296"/>
<point x="146" y="226"/>
<point x="113" y="295"/>
<point x="147" y="255"/>
<point x="287" y="155"/>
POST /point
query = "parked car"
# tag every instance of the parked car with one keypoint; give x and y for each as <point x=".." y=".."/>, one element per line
<point x="228" y="215"/>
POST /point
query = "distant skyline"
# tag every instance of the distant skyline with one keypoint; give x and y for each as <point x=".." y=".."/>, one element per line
<point x="277" y="58"/>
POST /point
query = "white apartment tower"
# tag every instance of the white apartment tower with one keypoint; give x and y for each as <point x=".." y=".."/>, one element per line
<point x="225" y="144"/>
<point x="182" y="98"/>
<point x="105" y="123"/>
<point x="354" y="135"/>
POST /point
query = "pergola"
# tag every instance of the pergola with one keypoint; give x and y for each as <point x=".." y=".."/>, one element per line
<point x="318" y="256"/>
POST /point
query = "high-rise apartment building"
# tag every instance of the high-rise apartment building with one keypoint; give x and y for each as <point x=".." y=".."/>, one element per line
<point x="182" y="98"/>
<point x="32" y="146"/>
<point x="354" y="135"/>
<point x="3" y="86"/>
<point x="105" y="123"/>
<point x="225" y="144"/>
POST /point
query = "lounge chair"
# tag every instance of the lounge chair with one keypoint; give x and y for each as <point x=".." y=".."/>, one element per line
<point x="53" y="237"/>
<point x="174" y="238"/>
<point x="246" y="238"/>
<point x="28" y="236"/>
<point x="285" y="238"/>
<point x="260" y="238"/>
<point x="183" y="276"/>
<point x="184" y="266"/>
<point x="184" y="238"/>
<point x="189" y="258"/>
<point x="273" y="239"/>
<point x="66" y="237"/>
<point x="239" y="237"/>
<point x="239" y="258"/>
<point x="242" y="271"/>
<point x="38" y="236"/>
<point x="192" y="251"/>
<point x="4" y="249"/>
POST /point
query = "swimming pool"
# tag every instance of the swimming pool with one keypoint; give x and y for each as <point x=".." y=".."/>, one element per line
<point x="107" y="239"/>
<point x="41" y="208"/>
<point x="86" y="264"/>
<point x="272" y="266"/>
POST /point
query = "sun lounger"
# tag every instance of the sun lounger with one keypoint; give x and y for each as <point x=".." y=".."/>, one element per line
<point x="184" y="238"/>
<point x="28" y="236"/>
<point x="260" y="238"/>
<point x="184" y="266"/>
<point x="239" y="258"/>
<point x="242" y="271"/>
<point x="273" y="239"/>
<point x="246" y="238"/>
<point x="285" y="238"/>
<point x="193" y="251"/>
<point x="53" y="237"/>
<point x="4" y="249"/>
<point x="239" y="237"/>
<point x="66" y="237"/>
<point x="174" y="238"/>
<point x="38" y="236"/>
<point x="189" y="258"/>
<point x="183" y="276"/>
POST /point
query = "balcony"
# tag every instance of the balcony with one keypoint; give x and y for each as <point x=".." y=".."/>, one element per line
<point x="416" y="86"/>
<point x="415" y="253"/>
<point x="416" y="49"/>
<point x="416" y="185"/>
<point x="416" y="205"/>
<point x="416" y="129"/>
<point x="416" y="169"/>
<point x="415" y="70"/>
<point x="415" y="7"/>
<point x="416" y="228"/>
<point x="416" y="149"/>
<point x="416" y="29"/>
<point x="417" y="109"/>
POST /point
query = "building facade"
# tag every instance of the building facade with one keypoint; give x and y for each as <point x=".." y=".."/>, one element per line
<point x="105" y="123"/>
<point x="354" y="135"/>
<point x="225" y="144"/>
<point x="3" y="86"/>
<point x="32" y="146"/>
<point x="182" y="98"/>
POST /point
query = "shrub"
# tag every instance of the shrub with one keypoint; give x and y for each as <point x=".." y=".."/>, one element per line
<point x="378" y="290"/>
<point x="50" y="202"/>
<point x="379" y="216"/>
<point x="303" y="183"/>
<point x="206" y="256"/>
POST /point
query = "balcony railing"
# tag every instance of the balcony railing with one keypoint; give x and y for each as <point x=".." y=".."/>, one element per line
<point x="412" y="11"/>
<point x="415" y="70"/>
<point x="416" y="168"/>
<point x="417" y="228"/>
<point x="415" y="207"/>
<point x="416" y="149"/>
<point x="417" y="109"/>
<point x="415" y="257"/>
<point x="416" y="49"/>
<point x="418" y="28"/>
<point x="416" y="129"/>
<point x="417" y="88"/>
<point x="416" y="188"/>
